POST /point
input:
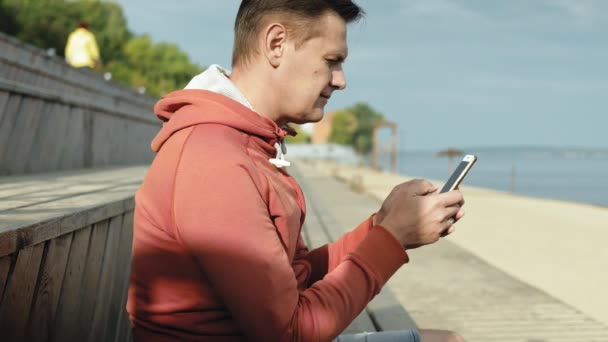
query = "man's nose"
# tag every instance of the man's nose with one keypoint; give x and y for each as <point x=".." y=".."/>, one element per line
<point x="338" y="79"/>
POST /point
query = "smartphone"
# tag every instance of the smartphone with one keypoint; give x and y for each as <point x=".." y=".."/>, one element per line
<point x="458" y="175"/>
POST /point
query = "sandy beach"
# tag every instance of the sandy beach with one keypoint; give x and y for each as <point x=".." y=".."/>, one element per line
<point x="558" y="247"/>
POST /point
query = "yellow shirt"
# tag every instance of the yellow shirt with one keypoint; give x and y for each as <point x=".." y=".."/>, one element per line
<point x="81" y="49"/>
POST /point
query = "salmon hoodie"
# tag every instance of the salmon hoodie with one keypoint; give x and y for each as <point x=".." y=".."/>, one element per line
<point x="217" y="248"/>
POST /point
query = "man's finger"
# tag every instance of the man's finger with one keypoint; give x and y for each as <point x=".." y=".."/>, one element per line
<point x="451" y="198"/>
<point x="423" y="187"/>
<point x="451" y="212"/>
<point x="460" y="214"/>
<point x="448" y="231"/>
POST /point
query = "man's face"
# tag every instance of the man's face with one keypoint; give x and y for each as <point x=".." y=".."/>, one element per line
<point x="310" y="74"/>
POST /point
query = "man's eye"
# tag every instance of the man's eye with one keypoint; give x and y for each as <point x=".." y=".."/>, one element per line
<point x="332" y="62"/>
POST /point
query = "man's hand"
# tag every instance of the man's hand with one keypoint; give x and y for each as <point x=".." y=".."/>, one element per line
<point x="418" y="216"/>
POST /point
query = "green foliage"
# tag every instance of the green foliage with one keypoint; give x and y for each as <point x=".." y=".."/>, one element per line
<point x="43" y="23"/>
<point x="108" y="23"/>
<point x="355" y="126"/>
<point x="8" y="22"/>
<point x="343" y="127"/>
<point x="301" y="138"/>
<point x="133" y="60"/>
<point x="160" y="68"/>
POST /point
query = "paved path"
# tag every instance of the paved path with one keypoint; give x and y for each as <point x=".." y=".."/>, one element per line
<point x="447" y="287"/>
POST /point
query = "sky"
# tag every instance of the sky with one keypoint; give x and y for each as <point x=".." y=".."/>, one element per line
<point x="450" y="73"/>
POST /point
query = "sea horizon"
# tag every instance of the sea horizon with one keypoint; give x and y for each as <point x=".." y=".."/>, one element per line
<point x="573" y="174"/>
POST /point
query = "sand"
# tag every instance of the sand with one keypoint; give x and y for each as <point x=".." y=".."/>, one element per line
<point x="559" y="247"/>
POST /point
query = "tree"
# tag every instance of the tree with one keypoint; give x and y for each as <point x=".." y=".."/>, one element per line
<point x="8" y="22"/>
<point x="160" y="68"/>
<point x="343" y="127"/>
<point x="133" y="60"/>
<point x="355" y="126"/>
<point x="47" y="23"/>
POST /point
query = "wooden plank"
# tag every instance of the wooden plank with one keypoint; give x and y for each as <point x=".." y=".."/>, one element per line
<point x="71" y="154"/>
<point x="4" y="69"/>
<point x="6" y="127"/>
<point x="41" y="139"/>
<point x="42" y="317"/>
<point x="56" y="137"/>
<point x="101" y="139"/>
<point x="104" y="104"/>
<point x="69" y="300"/>
<point x="31" y="224"/>
<point x="25" y="75"/>
<point x="5" y="267"/>
<point x="69" y="303"/>
<point x="92" y="280"/>
<point x="89" y="134"/>
<point x="15" y="310"/>
<point x="388" y="313"/>
<point x="107" y="283"/>
<point x="59" y="188"/>
<point x="20" y="119"/>
<point x="118" y="141"/>
<point x="13" y="73"/>
<point x="122" y="328"/>
<point x="35" y="231"/>
<point x="23" y="136"/>
<point x="4" y="96"/>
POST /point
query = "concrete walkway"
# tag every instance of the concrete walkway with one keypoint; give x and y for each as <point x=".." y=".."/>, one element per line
<point x="446" y="286"/>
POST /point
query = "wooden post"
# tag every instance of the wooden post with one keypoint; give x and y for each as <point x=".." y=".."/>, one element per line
<point x="393" y="148"/>
<point x="513" y="174"/>
<point x="375" y="150"/>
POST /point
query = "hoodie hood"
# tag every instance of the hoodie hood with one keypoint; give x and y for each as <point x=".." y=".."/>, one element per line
<point x="212" y="98"/>
<point x="215" y="79"/>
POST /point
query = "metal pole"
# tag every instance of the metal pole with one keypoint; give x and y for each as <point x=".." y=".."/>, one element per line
<point x="513" y="174"/>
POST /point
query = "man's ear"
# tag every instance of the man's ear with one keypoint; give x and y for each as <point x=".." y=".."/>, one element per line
<point x="275" y="39"/>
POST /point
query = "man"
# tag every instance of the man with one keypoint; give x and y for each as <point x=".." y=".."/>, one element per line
<point x="81" y="49"/>
<point x="217" y="250"/>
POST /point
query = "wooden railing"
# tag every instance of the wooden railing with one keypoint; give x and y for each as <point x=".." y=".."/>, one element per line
<point x="54" y="117"/>
<point x="65" y="216"/>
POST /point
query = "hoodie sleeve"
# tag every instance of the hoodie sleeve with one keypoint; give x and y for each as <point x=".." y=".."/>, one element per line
<point x="223" y="220"/>
<point x="319" y="261"/>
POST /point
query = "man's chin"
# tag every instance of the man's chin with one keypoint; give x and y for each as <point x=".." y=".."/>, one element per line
<point x="313" y="116"/>
<point x="316" y="115"/>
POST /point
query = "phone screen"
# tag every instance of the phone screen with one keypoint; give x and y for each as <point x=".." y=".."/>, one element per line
<point x="458" y="174"/>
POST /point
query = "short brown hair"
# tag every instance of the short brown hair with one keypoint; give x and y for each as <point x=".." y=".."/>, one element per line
<point x="299" y="12"/>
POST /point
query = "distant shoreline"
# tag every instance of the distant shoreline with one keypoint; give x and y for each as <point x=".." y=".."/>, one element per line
<point x="368" y="168"/>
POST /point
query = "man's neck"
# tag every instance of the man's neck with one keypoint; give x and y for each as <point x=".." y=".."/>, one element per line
<point x="254" y="85"/>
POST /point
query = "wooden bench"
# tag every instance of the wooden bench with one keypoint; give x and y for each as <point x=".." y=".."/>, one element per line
<point x="65" y="246"/>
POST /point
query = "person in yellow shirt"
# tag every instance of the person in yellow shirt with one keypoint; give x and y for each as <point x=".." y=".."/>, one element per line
<point x="81" y="50"/>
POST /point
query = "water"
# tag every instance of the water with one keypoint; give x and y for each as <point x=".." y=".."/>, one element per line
<point x="577" y="175"/>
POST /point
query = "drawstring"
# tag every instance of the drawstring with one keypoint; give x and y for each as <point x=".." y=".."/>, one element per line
<point x="279" y="160"/>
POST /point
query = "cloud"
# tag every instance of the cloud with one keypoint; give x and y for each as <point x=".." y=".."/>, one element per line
<point x="164" y="8"/>
<point x="583" y="11"/>
<point x="438" y="9"/>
